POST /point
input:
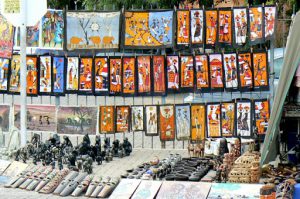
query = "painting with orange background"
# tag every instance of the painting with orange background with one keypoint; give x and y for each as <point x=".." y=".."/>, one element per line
<point x="107" y="119"/>
<point x="183" y="27"/>
<point x="101" y="75"/>
<point x="122" y="119"/>
<point x="167" y="122"/>
<point x="45" y="75"/>
<point x="159" y="75"/>
<point x="211" y="18"/>
<point x="187" y="73"/>
<point x="128" y="76"/>
<point x="225" y="27"/>
<point x="256" y="25"/>
<point x="261" y="76"/>
<point x="32" y="79"/>
<point x="228" y="119"/>
<point x="198" y="122"/>
<point x="245" y="71"/>
<point x="262" y="115"/>
<point x="202" y="72"/>
<point x="115" y="76"/>
<point x="14" y="80"/>
<point x="216" y="71"/>
<point x="144" y="74"/>
<point x="270" y="22"/>
<point x="213" y="120"/>
<point x="173" y="73"/>
<point x="85" y="75"/>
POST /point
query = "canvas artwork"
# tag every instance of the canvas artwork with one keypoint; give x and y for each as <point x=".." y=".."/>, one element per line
<point x="4" y="75"/>
<point x="151" y="120"/>
<point x="187" y="73"/>
<point x="137" y="118"/>
<point x="225" y="27"/>
<point x="202" y="72"/>
<point x="4" y="117"/>
<point x="39" y="117"/>
<point x="159" y="74"/>
<point x="173" y="73"/>
<point x="115" y="79"/>
<point x="144" y="77"/>
<point x="147" y="190"/>
<point x="230" y="71"/>
<point x="85" y="75"/>
<point x="122" y="119"/>
<point x="213" y="119"/>
<point x="7" y="35"/>
<point x="262" y="115"/>
<point x="58" y="75"/>
<point x="72" y="74"/>
<point x="53" y="29"/>
<point x="240" y="23"/>
<point x="183" y="122"/>
<point x="167" y="122"/>
<point x="260" y="69"/>
<point x="107" y="119"/>
<point x="228" y="119"/>
<point x="244" y="119"/>
<point x="101" y="75"/>
<point x="198" y="122"/>
<point x="45" y="75"/>
<point x="128" y="76"/>
<point x="197" y="27"/>
<point x="245" y="71"/>
<point x="31" y="76"/>
<point x="211" y="18"/>
<point x="33" y="35"/>
<point x="125" y="189"/>
<point x="183" y="27"/>
<point x="92" y="30"/>
<point x="270" y="19"/>
<point x="77" y="120"/>
<point x="14" y="80"/>
<point x="15" y="168"/>
<point x="229" y="3"/>
<point x="256" y="25"/>
<point x="216" y="71"/>
<point x="148" y="29"/>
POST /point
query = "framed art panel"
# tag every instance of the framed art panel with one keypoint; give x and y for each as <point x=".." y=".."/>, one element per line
<point x="159" y="75"/>
<point x="213" y="120"/>
<point x="256" y="23"/>
<point x="45" y="76"/>
<point x="187" y="73"/>
<point x="244" y="118"/>
<point x="261" y="115"/>
<point x="7" y="38"/>
<point x="32" y="75"/>
<point x="230" y="71"/>
<point x="144" y="78"/>
<point x="151" y="120"/>
<point x="85" y="75"/>
<point x="137" y="118"/>
<point x="183" y="27"/>
<point x="183" y="121"/>
<point x="115" y="76"/>
<point x="122" y="119"/>
<point x="260" y="70"/>
<point x="129" y="74"/>
<point x="167" y="122"/>
<point x="202" y="73"/>
<point x="225" y="27"/>
<point x="101" y="77"/>
<point x="107" y="119"/>
<point x="216" y="72"/>
<point x="270" y="16"/>
<point x="33" y="35"/>
<point x="173" y="73"/>
<point x="58" y="75"/>
<point x="228" y="119"/>
<point x="14" y="80"/>
<point x="211" y="19"/>
<point x="5" y="115"/>
<point x="240" y="26"/>
<point x="245" y="72"/>
<point x="4" y="74"/>
<point x="72" y="79"/>
<point x="197" y="27"/>
<point x="198" y="124"/>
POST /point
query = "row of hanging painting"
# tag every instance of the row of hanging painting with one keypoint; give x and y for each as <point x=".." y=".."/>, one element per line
<point x="145" y="29"/>
<point x="136" y="76"/>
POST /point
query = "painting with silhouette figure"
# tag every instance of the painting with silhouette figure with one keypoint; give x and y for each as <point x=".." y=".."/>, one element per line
<point x="58" y="75"/>
<point x="128" y="72"/>
<point x="187" y="73"/>
<point x="262" y="115"/>
<point x="31" y="75"/>
<point x="270" y="22"/>
<point x="151" y="120"/>
<point x="183" y="27"/>
<point x="256" y="23"/>
<point x="240" y="24"/>
<point x="228" y="119"/>
<point x="7" y="38"/>
<point x="107" y="119"/>
<point x="225" y="27"/>
<point x="244" y="118"/>
<point x="245" y="71"/>
<point x="122" y="119"/>
<point x="159" y="75"/>
<point x="213" y="120"/>
<point x="72" y="74"/>
<point x="45" y="75"/>
<point x="211" y="19"/>
<point x="101" y="71"/>
<point x="202" y="73"/>
<point x="198" y="125"/>
<point x="197" y="27"/>
<point x="183" y="121"/>
<point x="14" y="79"/>
<point x="173" y="73"/>
<point x="115" y="76"/>
<point x="137" y="118"/>
<point x="230" y="71"/>
<point x="260" y="70"/>
<point x="144" y="77"/>
<point x="167" y="122"/>
<point x="85" y="75"/>
<point x="216" y="72"/>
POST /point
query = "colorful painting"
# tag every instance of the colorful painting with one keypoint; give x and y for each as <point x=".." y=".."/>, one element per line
<point x="7" y="35"/>
<point x="245" y="71"/>
<point x="77" y="120"/>
<point x="187" y="73"/>
<point x="92" y="30"/>
<point x="125" y="188"/>
<point x="107" y="119"/>
<point x="260" y="69"/>
<point x="173" y="73"/>
<point x="85" y="75"/>
<point x="225" y="27"/>
<point x="72" y="74"/>
<point x="122" y="119"/>
<point x="45" y="75"/>
<point x="31" y="76"/>
<point x="159" y="75"/>
<point x="167" y="122"/>
<point x="216" y="71"/>
<point x="115" y="81"/>
<point x="144" y="75"/>
<point x="228" y="119"/>
<point x="151" y="120"/>
<point x="148" y="29"/>
<point x="213" y="119"/>
<point x="39" y="117"/>
<point x="230" y="71"/>
<point x="33" y="35"/>
<point x="183" y="122"/>
<point x="198" y="122"/>
<point x="137" y="118"/>
<point x="14" y="80"/>
<point x="240" y="23"/>
<point x="128" y="76"/>
<point x="202" y="72"/>
<point x="197" y="27"/>
<point x="256" y="25"/>
<point x="211" y="18"/>
<point x="53" y="29"/>
<point x="58" y="77"/>
<point x="270" y="19"/>
<point x="183" y="27"/>
<point x="244" y="120"/>
<point x="147" y="190"/>
<point x="4" y="117"/>
<point x="4" y="67"/>
<point x="262" y="115"/>
<point x="229" y="3"/>
<point x="101" y="75"/>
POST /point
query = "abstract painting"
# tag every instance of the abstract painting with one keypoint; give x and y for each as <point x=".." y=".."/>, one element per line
<point x="128" y="85"/>
<point x="125" y="188"/>
<point x="167" y="122"/>
<point x="122" y="119"/>
<point x="4" y="75"/>
<point x="107" y="119"/>
<point x="101" y="75"/>
<point x="39" y="117"/>
<point x="144" y="75"/>
<point x="77" y="120"/>
<point x="4" y="117"/>
<point x="213" y="119"/>
<point x="183" y="27"/>
<point x="85" y="75"/>
<point x="173" y="73"/>
<point x="256" y="25"/>
<point x="187" y="73"/>
<point x="115" y="79"/>
<point x="244" y="119"/>
<point x="58" y="75"/>
<point x="270" y="22"/>
<point x="7" y="35"/>
<point x="148" y="29"/>
<point x="183" y="122"/>
<point x="147" y="190"/>
<point x="14" y="80"/>
<point x="211" y="18"/>
<point x="262" y="115"/>
<point x="202" y="73"/>
<point x="260" y="70"/>
<point x="159" y="75"/>
<point x="240" y="24"/>
<point x="53" y="29"/>
<point x="245" y="71"/>
<point x="197" y="27"/>
<point x="72" y="74"/>
<point x="230" y="71"/>
<point x="225" y="27"/>
<point x="228" y="119"/>
<point x="216" y="72"/>
<point x="45" y="75"/>
<point x="92" y="30"/>
<point x="31" y="76"/>
<point x="33" y="35"/>
<point x="151" y="120"/>
<point x="137" y="118"/>
<point x="198" y="122"/>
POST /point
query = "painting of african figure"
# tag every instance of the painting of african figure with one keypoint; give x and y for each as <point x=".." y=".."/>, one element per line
<point x="45" y="75"/>
<point x="198" y="122"/>
<point x="107" y="119"/>
<point x="270" y="19"/>
<point x="14" y="80"/>
<point x="166" y="122"/>
<point x="183" y="122"/>
<point x="31" y="77"/>
<point x="211" y="18"/>
<point x="240" y="23"/>
<point x="262" y="115"/>
<point x="225" y="27"/>
<point x="128" y="76"/>
<point x="148" y="29"/>
<point x="245" y="71"/>
<point x="173" y="73"/>
<point x="216" y="71"/>
<point x="256" y="25"/>
<point x="58" y="77"/>
<point x="151" y="120"/>
<point x="33" y="35"/>
<point x="7" y="38"/>
<point x="213" y="120"/>
<point x="144" y="75"/>
<point x="228" y="119"/>
<point x="187" y="73"/>
<point x="197" y="27"/>
<point x="92" y="30"/>
<point x="4" y="66"/>
<point x="85" y="75"/>
<point x="72" y="74"/>
<point x="137" y="118"/>
<point x="122" y="119"/>
<point x="202" y="72"/>
<point x="183" y="27"/>
<point x="101" y="75"/>
<point x="115" y="78"/>
<point x="230" y="71"/>
<point x="159" y="74"/>
<point x="243" y="121"/>
<point x="260" y="70"/>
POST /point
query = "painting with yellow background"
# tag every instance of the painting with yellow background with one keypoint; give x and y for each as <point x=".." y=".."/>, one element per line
<point x="260" y="69"/>
<point x="211" y="26"/>
<point x="31" y="63"/>
<point x="183" y="27"/>
<point x="262" y="115"/>
<point x="107" y="119"/>
<point x="225" y="27"/>
<point x="198" y="122"/>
